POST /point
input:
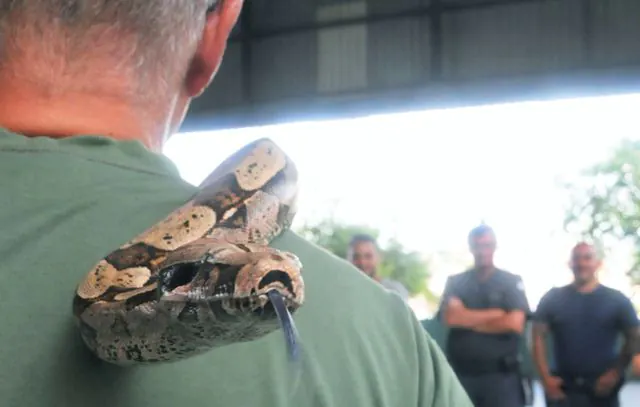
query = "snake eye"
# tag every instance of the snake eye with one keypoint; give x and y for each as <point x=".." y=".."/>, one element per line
<point x="177" y="276"/>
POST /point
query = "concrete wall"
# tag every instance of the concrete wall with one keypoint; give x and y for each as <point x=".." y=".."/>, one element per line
<point x="293" y="59"/>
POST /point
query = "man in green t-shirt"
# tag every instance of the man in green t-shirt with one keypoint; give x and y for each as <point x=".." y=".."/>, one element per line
<point x="90" y="90"/>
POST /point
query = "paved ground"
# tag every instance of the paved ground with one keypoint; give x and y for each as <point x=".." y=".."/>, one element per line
<point x="630" y="395"/>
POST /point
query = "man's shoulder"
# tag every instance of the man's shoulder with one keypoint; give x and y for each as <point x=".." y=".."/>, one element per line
<point x="613" y="293"/>
<point x="395" y="286"/>
<point x="508" y="276"/>
<point x="463" y="275"/>
<point x="555" y="294"/>
<point x="92" y="206"/>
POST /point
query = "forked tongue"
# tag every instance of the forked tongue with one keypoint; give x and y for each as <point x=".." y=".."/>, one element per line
<point x="286" y="323"/>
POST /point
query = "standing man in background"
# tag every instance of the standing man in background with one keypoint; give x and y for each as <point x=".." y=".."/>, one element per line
<point x="585" y="320"/>
<point x="485" y="309"/>
<point x="364" y="254"/>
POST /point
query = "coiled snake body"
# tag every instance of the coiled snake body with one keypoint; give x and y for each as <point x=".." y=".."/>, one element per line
<point x="204" y="276"/>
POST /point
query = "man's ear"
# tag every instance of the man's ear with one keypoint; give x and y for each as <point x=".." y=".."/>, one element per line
<point x="208" y="55"/>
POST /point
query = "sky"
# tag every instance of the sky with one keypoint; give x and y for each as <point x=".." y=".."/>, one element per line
<point x="428" y="177"/>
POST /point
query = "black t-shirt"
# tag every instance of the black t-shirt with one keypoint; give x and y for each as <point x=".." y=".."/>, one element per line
<point x="503" y="290"/>
<point x="585" y="327"/>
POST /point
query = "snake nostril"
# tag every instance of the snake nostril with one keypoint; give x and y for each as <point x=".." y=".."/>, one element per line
<point x="277" y="276"/>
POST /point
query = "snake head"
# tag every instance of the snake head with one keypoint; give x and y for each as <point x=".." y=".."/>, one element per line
<point x="236" y="282"/>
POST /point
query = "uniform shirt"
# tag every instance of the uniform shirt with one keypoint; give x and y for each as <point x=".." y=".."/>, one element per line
<point x="585" y="327"/>
<point x="502" y="290"/>
<point x="64" y="204"/>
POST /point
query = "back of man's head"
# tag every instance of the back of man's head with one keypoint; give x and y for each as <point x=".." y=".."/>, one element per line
<point x="123" y="68"/>
<point x="65" y="36"/>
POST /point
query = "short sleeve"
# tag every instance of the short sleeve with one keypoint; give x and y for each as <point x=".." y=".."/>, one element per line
<point x="627" y="316"/>
<point x="516" y="296"/>
<point x="544" y="309"/>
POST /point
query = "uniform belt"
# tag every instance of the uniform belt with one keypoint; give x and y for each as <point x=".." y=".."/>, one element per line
<point x="578" y="382"/>
<point x="584" y="383"/>
<point x="478" y="368"/>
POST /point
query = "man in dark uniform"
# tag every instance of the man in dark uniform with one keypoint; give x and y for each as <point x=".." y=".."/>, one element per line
<point x="486" y="310"/>
<point x="586" y="320"/>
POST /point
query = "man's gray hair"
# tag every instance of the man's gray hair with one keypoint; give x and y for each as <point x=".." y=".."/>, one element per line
<point x="155" y="32"/>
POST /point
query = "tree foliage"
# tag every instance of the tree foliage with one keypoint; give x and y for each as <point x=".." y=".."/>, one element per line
<point x="605" y="202"/>
<point x="399" y="264"/>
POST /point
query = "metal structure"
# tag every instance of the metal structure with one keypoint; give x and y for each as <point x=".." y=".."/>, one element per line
<point x="311" y="59"/>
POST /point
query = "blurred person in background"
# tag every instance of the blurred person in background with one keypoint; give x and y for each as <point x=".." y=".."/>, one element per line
<point x="585" y="320"/>
<point x="90" y="91"/>
<point x="486" y="310"/>
<point x="364" y="253"/>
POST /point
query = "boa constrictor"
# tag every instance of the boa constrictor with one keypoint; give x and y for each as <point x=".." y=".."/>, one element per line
<point x="204" y="276"/>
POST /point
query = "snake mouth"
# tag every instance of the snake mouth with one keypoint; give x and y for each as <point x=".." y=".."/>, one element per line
<point x="177" y="286"/>
<point x="260" y="305"/>
<point x="192" y="282"/>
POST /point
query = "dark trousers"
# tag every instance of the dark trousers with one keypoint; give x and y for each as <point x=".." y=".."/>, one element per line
<point x="579" y="392"/>
<point x="494" y="389"/>
<point x="584" y="400"/>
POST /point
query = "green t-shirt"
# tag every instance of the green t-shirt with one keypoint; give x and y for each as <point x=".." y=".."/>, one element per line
<point x="65" y="203"/>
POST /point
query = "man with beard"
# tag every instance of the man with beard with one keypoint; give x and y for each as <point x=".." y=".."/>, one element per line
<point x="585" y="320"/>
<point x="364" y="254"/>
<point x="486" y="308"/>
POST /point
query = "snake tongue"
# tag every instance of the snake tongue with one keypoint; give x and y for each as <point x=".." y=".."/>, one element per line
<point x="287" y="324"/>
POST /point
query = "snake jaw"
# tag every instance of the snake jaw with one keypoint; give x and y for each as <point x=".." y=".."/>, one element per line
<point x="236" y="283"/>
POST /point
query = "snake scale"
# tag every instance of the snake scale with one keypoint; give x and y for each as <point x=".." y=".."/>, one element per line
<point x="204" y="276"/>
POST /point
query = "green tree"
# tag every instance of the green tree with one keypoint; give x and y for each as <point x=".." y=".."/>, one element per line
<point x="399" y="264"/>
<point x="605" y="202"/>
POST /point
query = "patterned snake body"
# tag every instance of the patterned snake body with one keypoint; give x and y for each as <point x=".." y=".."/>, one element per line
<point x="204" y="276"/>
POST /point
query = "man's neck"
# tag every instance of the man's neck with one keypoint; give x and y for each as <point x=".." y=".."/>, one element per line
<point x="484" y="272"/>
<point x="586" y="287"/>
<point x="27" y="109"/>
